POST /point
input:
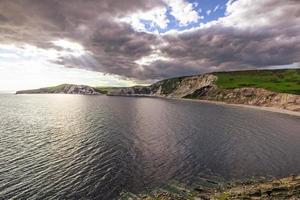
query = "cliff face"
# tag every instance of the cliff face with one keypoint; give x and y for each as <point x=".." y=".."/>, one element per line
<point x="175" y="87"/>
<point x="248" y="88"/>
<point x="252" y="96"/>
<point x="132" y="91"/>
<point x="78" y="89"/>
<point x="63" y="89"/>
<point x="204" y="87"/>
<point x="181" y="87"/>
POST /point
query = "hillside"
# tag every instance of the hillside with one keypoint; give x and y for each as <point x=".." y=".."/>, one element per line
<point x="63" y="89"/>
<point x="269" y="88"/>
<point x="284" y="81"/>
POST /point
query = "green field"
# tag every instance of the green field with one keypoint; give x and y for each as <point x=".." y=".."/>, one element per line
<point x="284" y="80"/>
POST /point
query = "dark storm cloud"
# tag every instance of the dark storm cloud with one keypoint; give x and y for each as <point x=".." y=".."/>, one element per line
<point x="115" y="46"/>
<point x="92" y="23"/>
<point x="229" y="48"/>
<point x="120" y="39"/>
<point x="34" y="20"/>
<point x="259" y="35"/>
<point x="262" y="34"/>
<point x="3" y="19"/>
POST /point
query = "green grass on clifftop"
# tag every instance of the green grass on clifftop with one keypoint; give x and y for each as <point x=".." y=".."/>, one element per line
<point x="55" y="88"/>
<point x="285" y="80"/>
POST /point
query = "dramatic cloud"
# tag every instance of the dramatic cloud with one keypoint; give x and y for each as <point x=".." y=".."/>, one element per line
<point x="120" y="37"/>
<point x="223" y="48"/>
<point x="183" y="11"/>
<point x="252" y="35"/>
<point x="155" y="17"/>
<point x="36" y="21"/>
<point x="256" y="13"/>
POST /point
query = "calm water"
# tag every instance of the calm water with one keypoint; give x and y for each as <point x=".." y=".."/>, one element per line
<point x="86" y="147"/>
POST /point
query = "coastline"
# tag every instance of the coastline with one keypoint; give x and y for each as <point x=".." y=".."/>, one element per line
<point x="276" y="188"/>
<point x="263" y="108"/>
<point x="269" y="109"/>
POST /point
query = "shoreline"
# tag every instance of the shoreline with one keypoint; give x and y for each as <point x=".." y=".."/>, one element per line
<point x="277" y="188"/>
<point x="269" y="109"/>
<point x="263" y="108"/>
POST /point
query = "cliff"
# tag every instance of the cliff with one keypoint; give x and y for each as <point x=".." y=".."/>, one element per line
<point x="63" y="89"/>
<point x="268" y="88"/>
<point x="173" y="88"/>
<point x="250" y="96"/>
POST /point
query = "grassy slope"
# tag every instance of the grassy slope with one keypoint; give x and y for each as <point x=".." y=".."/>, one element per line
<point x="45" y="90"/>
<point x="285" y="80"/>
<point x="58" y="89"/>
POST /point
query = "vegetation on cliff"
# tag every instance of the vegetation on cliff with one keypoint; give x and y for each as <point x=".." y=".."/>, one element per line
<point x="284" y="80"/>
<point x="44" y="90"/>
<point x="169" y="85"/>
<point x="268" y="88"/>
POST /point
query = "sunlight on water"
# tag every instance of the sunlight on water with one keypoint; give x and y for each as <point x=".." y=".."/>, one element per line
<point x="68" y="146"/>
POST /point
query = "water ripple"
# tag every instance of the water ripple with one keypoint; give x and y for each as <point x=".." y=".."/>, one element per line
<point x="80" y="147"/>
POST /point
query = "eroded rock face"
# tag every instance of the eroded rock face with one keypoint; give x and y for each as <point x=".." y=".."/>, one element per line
<point x="132" y="91"/>
<point x="174" y="88"/>
<point x="254" y="96"/>
<point x="78" y="89"/>
<point x="184" y="86"/>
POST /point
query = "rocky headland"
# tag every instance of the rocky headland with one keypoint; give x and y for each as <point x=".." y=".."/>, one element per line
<point x="63" y="89"/>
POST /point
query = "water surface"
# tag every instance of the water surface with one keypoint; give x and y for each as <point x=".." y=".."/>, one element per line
<point x="94" y="147"/>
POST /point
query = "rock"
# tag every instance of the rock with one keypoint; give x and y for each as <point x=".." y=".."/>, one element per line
<point x="286" y="188"/>
<point x="173" y="88"/>
<point x="255" y="97"/>
<point x="79" y="89"/>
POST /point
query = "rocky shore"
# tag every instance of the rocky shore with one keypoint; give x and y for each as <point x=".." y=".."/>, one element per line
<point x="276" y="189"/>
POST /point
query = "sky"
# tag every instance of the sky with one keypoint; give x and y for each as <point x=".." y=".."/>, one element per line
<point x="136" y="42"/>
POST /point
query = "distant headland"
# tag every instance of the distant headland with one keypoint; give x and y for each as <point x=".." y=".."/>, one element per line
<point x="63" y="89"/>
<point x="267" y="88"/>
